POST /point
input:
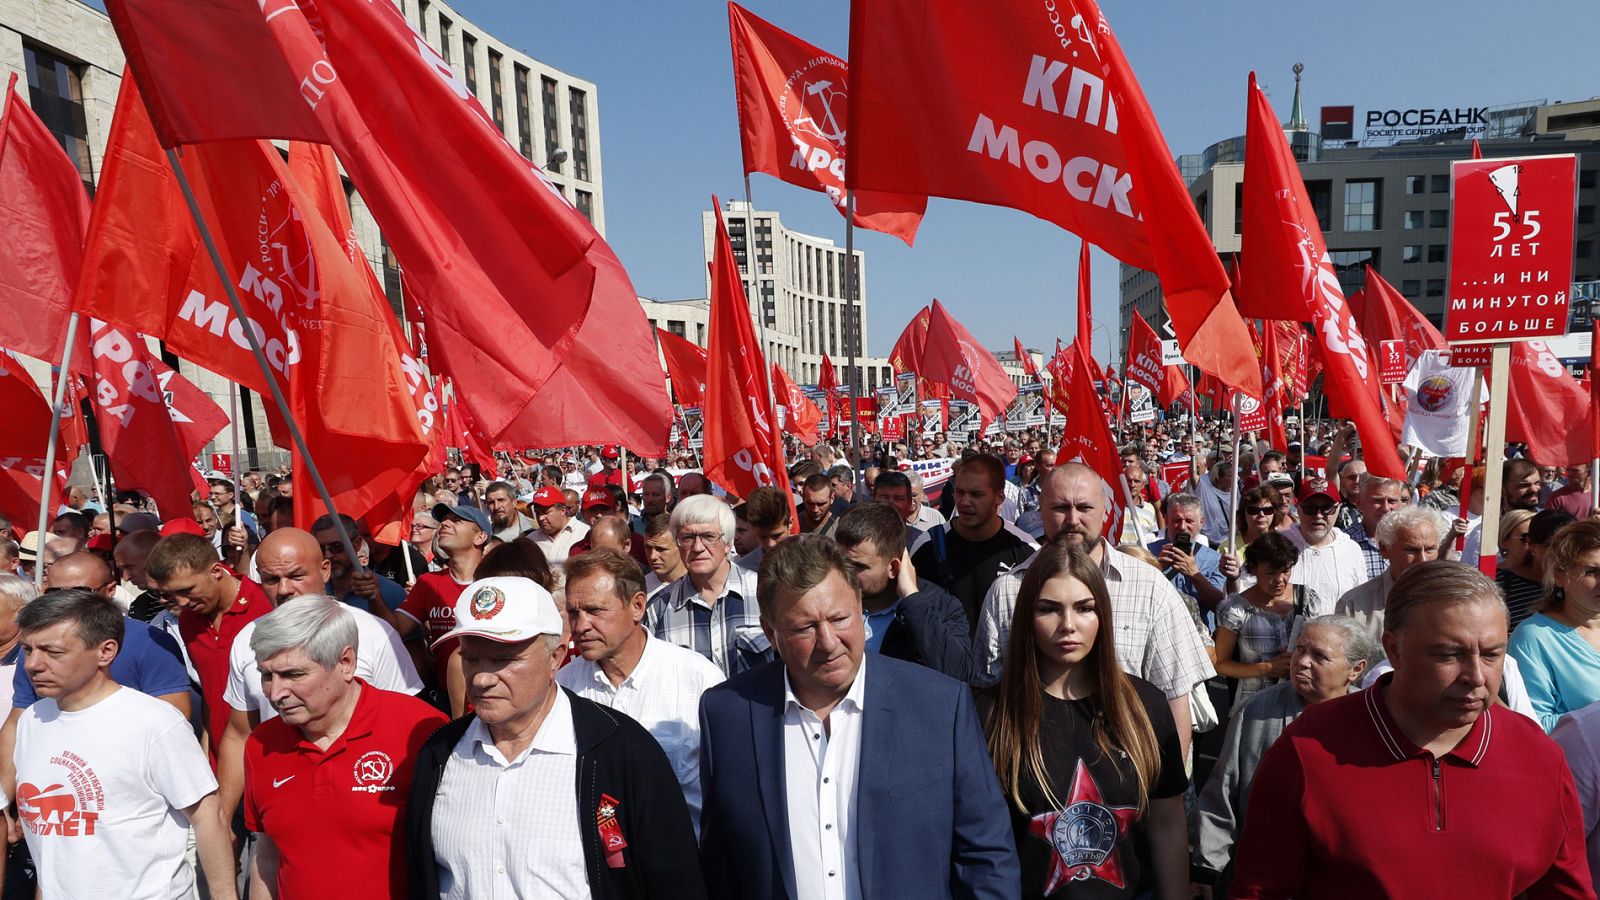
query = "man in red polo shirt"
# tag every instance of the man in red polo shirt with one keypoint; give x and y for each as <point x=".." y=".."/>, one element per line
<point x="327" y="781"/>
<point x="1420" y="786"/>
<point x="214" y="604"/>
<point x="429" y="610"/>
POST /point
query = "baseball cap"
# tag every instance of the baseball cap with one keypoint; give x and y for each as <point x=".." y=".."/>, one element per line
<point x="506" y="609"/>
<point x="465" y="513"/>
<point x="598" y="496"/>
<point x="610" y="452"/>
<point x="139" y="521"/>
<point x="184" y="525"/>
<point x="1280" y="479"/>
<point x="1318" y="486"/>
<point x="549" y="495"/>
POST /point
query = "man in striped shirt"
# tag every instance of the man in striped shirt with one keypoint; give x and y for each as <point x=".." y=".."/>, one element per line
<point x="712" y="609"/>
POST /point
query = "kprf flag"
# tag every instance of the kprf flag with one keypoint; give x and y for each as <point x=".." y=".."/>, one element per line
<point x="951" y="356"/>
<point x="1087" y="438"/>
<point x="1385" y="315"/>
<point x="43" y="214"/>
<point x="1285" y="257"/>
<point x="686" y="366"/>
<point x="1547" y="410"/>
<point x="800" y="416"/>
<point x="794" y="124"/>
<point x="906" y="355"/>
<point x="743" y="450"/>
<point x="152" y="420"/>
<point x="1034" y="107"/>
<point x="1175" y="386"/>
<point x="1438" y="405"/>
<point x="517" y="284"/>
<point x="1144" y="356"/>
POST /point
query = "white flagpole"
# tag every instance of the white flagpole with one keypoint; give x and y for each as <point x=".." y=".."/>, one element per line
<point x="47" y="486"/>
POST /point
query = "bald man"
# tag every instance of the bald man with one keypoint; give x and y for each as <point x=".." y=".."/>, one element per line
<point x="131" y="552"/>
<point x="290" y="564"/>
<point x="1158" y="637"/>
<point x="609" y="533"/>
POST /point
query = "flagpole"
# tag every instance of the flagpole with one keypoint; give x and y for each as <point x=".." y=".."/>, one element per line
<point x="754" y="290"/>
<point x="261" y="358"/>
<point x="405" y="551"/>
<point x="233" y="426"/>
<point x="1194" y="430"/>
<point x="852" y="324"/>
<point x="1233" y="495"/>
<point x="47" y="485"/>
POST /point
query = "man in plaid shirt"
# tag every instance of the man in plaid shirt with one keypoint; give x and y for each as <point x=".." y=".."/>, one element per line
<point x="1375" y="498"/>
<point x="1157" y="638"/>
<point x="712" y="609"/>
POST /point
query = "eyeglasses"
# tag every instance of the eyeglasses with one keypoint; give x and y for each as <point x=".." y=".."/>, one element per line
<point x="1319" y="510"/>
<point x="1260" y="510"/>
<point x="706" y="540"/>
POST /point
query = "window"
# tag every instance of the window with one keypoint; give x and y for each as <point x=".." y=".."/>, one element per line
<point x="1411" y="287"/>
<point x="422" y="18"/>
<point x="393" y="285"/>
<point x="1586" y="214"/>
<point x="1350" y="266"/>
<point x="1435" y="287"/>
<point x="552" y="130"/>
<point x="1201" y="207"/>
<point x="497" y="94"/>
<point x="55" y="91"/>
<point x="1321" y="193"/>
<point x="584" y="200"/>
<point x="1361" y="211"/>
<point x="578" y="102"/>
<point x="1437" y="252"/>
<point x="700" y="333"/>
<point x="1413" y="219"/>
<point x="1438" y="218"/>
<point x="1586" y="178"/>
<point x="469" y="61"/>
<point x="832" y="292"/>
<point x="444" y="38"/>
<point x="1439" y="184"/>
<point x="675" y="326"/>
<point x="833" y="330"/>
<point x="1411" y="253"/>
<point x="1238" y="208"/>
<point x="1584" y="249"/>
<point x="524" y="113"/>
<point x="1415" y="184"/>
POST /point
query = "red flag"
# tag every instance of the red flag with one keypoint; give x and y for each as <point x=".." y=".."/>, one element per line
<point x="1144" y="356"/>
<point x="1060" y="369"/>
<point x="43" y="213"/>
<point x="1026" y="360"/>
<point x="474" y="449"/>
<point x="906" y="356"/>
<point x="1547" y="410"/>
<point x="1477" y="151"/>
<point x="1085" y="313"/>
<point x="826" y="379"/>
<point x="800" y="415"/>
<point x="793" y="123"/>
<point x="1289" y="262"/>
<point x="742" y="448"/>
<point x="1387" y="316"/>
<point x="1276" y="399"/>
<point x="27" y="411"/>
<point x="513" y="278"/>
<point x="988" y="102"/>
<point x="1175" y="386"/>
<point x="952" y="357"/>
<point x="152" y="420"/>
<point x="686" y="366"/>
<point x="1087" y="438"/>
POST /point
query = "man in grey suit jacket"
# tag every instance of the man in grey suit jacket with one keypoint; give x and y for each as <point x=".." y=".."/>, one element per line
<point x="825" y="775"/>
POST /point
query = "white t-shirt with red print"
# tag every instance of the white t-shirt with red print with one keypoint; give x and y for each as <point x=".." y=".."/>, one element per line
<point x="99" y="792"/>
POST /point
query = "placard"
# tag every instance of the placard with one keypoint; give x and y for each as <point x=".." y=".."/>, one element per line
<point x="222" y="463"/>
<point x="1470" y="356"/>
<point x="1391" y="362"/>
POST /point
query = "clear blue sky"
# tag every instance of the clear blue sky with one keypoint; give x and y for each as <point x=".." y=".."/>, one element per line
<point x="669" y="133"/>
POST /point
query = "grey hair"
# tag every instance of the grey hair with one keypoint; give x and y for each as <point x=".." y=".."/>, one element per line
<point x="1358" y="645"/>
<point x="1185" y="500"/>
<point x="1440" y="582"/>
<point x="317" y="624"/>
<point x="1370" y="482"/>
<point x="16" y="592"/>
<point x="704" y="509"/>
<point x="1410" y="518"/>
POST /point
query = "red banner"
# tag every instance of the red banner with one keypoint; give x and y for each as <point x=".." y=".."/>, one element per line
<point x="1511" y="247"/>
<point x="1546" y="408"/>
<point x="800" y="416"/>
<point x="1176" y="474"/>
<point x="22" y="446"/>
<point x="686" y="366"/>
<point x="1087" y="438"/>
<point x="952" y="357"/>
<point x="1144" y="356"/>
<point x="794" y="124"/>
<point x="1385" y="315"/>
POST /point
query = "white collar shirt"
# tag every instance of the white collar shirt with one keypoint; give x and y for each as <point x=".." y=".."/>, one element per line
<point x="508" y="829"/>
<point x="662" y="693"/>
<point x="821" y="762"/>
<point x="557" y="549"/>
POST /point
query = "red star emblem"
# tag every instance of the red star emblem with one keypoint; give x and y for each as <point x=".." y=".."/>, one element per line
<point x="1084" y="834"/>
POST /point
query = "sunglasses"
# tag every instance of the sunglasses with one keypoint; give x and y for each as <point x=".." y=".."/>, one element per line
<point x="1260" y="510"/>
<point x="1319" y="509"/>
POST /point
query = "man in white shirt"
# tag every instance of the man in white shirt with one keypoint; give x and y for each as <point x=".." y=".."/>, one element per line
<point x="1330" y="563"/>
<point x="557" y="531"/>
<point x="621" y="666"/>
<point x="108" y="779"/>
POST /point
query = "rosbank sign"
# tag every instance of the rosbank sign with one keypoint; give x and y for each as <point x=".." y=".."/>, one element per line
<point x="1338" y="121"/>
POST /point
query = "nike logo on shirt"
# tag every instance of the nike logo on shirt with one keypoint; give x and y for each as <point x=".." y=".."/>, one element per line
<point x="279" y="782"/>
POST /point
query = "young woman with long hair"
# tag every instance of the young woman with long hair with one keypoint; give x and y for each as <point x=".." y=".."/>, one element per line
<point x="1088" y="756"/>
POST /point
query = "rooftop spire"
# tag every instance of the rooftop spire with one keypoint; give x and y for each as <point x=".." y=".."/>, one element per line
<point x="1297" y="116"/>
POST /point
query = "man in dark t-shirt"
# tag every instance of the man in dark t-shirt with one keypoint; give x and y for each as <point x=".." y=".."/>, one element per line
<point x="967" y="555"/>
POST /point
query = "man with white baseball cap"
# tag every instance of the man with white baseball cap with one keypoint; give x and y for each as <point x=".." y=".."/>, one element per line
<point x="539" y="792"/>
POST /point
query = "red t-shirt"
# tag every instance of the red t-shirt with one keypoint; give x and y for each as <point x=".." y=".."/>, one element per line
<point x="432" y="603"/>
<point x="209" y="647"/>
<point x="337" y="815"/>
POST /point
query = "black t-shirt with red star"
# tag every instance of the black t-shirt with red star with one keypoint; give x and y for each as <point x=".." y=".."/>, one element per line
<point x="1093" y="845"/>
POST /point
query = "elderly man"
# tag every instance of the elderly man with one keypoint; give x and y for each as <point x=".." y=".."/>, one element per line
<point x="712" y="608"/>
<point x="539" y="792"/>
<point x="622" y="666"/>
<point x="1214" y="491"/>
<point x="557" y="530"/>
<point x="509" y="522"/>
<point x="1157" y="639"/>
<point x="1406" y="537"/>
<point x="1376" y="498"/>
<point x="692" y="484"/>
<point x="1193" y="568"/>
<point x="1330" y="563"/>
<point x="329" y="775"/>
<point x="655" y="499"/>
<point x="803" y="797"/>
<point x="1349" y="473"/>
<point x="108" y="779"/>
<point x="1475" y="800"/>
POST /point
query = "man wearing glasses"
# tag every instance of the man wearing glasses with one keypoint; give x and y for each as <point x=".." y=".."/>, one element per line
<point x="712" y="609"/>
<point x="1330" y="563"/>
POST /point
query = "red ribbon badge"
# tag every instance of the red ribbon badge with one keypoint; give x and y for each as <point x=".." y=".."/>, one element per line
<point x="610" y="830"/>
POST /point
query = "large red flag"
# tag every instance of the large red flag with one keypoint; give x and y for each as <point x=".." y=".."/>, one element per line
<point x="686" y="366"/>
<point x="826" y="379"/>
<point x="1087" y="438"/>
<point x="22" y="446"/>
<point x="800" y="416"/>
<point x="43" y="214"/>
<point x="743" y="450"/>
<point x="1036" y="108"/>
<point x="906" y="355"/>
<point x="1175" y="386"/>
<point x="794" y="125"/>
<point x="1547" y="409"/>
<point x="1388" y="316"/>
<point x="1290" y="262"/>
<point x="1085" y="303"/>
<point x="1144" y="356"/>
<point x="951" y="356"/>
<point x="152" y="420"/>
<point x="517" y="284"/>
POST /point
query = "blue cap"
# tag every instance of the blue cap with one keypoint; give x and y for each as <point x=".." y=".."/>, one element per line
<point x="465" y="513"/>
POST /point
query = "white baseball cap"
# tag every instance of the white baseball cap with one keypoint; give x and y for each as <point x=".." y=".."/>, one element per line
<point x="506" y="609"/>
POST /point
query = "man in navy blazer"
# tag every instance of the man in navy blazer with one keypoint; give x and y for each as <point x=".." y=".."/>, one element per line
<point x="828" y="775"/>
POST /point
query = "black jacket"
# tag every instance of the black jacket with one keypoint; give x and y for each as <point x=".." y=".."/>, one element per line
<point x="617" y="758"/>
<point x="930" y="628"/>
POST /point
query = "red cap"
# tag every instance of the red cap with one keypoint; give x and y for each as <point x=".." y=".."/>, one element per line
<point x="99" y="542"/>
<point x="609" y="452"/>
<point x="182" y="526"/>
<point x="598" y="496"/>
<point x="1315" y="486"/>
<point x="549" y="496"/>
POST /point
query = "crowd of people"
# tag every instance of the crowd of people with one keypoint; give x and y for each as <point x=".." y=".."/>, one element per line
<point x="593" y="675"/>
